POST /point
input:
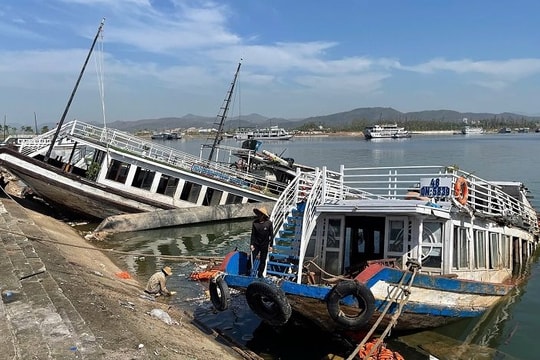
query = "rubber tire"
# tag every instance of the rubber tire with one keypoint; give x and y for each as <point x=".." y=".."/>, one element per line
<point x="219" y="293"/>
<point x="364" y="297"/>
<point x="268" y="302"/>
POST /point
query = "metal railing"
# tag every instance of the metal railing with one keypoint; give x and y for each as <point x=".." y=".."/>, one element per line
<point x="484" y="198"/>
<point x="111" y="138"/>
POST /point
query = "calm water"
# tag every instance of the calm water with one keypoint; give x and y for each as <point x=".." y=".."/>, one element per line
<point x="510" y="329"/>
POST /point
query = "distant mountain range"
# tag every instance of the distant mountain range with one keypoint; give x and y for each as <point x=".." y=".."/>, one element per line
<point x="339" y="120"/>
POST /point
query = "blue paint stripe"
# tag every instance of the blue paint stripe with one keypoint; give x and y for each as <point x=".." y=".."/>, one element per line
<point x="321" y="292"/>
<point x="441" y="283"/>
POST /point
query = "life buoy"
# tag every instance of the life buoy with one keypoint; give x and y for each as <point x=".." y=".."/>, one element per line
<point x="364" y="300"/>
<point x="219" y="293"/>
<point x="269" y="303"/>
<point x="461" y="190"/>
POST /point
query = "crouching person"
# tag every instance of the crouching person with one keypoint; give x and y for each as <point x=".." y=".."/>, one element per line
<point x="157" y="283"/>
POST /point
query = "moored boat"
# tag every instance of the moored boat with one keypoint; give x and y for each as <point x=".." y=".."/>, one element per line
<point x="385" y="131"/>
<point x="406" y="247"/>
<point x="472" y="130"/>
<point x="271" y="133"/>
<point x="166" y="136"/>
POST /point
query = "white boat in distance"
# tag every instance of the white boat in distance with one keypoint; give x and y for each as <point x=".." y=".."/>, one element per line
<point x="386" y="131"/>
<point x="470" y="130"/>
<point x="271" y="133"/>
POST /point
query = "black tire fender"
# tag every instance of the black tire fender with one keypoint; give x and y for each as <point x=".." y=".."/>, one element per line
<point x="219" y="293"/>
<point x="268" y="302"/>
<point x="364" y="300"/>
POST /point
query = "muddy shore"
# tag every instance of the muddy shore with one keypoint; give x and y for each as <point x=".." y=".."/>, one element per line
<point x="64" y="298"/>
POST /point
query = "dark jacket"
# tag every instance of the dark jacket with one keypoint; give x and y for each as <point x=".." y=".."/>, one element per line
<point x="261" y="233"/>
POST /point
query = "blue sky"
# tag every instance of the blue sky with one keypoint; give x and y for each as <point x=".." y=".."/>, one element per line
<point x="301" y="58"/>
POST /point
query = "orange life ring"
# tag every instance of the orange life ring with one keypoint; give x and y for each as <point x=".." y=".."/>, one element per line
<point x="461" y="190"/>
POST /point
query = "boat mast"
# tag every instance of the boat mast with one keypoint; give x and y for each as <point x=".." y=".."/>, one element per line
<point x="223" y="115"/>
<point x="55" y="137"/>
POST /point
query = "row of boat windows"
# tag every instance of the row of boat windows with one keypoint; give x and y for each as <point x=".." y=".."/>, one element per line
<point x="364" y="239"/>
<point x="490" y="250"/>
<point x="167" y="185"/>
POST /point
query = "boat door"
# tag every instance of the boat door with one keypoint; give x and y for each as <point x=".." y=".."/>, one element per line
<point x="364" y="241"/>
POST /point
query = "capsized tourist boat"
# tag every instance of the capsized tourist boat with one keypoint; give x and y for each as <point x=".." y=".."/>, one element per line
<point x="100" y="172"/>
<point x="412" y="247"/>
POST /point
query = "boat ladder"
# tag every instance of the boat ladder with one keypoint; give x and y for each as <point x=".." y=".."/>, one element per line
<point x="399" y="294"/>
<point x="284" y="257"/>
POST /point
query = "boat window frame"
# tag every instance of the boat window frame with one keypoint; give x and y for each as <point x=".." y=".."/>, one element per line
<point x="432" y="246"/>
<point x="480" y="250"/>
<point x="405" y="233"/>
<point x="333" y="253"/>
<point x="495" y="255"/>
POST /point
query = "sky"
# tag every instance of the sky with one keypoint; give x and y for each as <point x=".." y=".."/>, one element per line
<point x="299" y="58"/>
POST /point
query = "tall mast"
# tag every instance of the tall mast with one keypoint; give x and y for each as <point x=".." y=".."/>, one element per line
<point x="223" y="115"/>
<point x="55" y="137"/>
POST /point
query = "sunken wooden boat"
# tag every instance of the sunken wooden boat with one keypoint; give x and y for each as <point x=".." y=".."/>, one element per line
<point x="398" y="247"/>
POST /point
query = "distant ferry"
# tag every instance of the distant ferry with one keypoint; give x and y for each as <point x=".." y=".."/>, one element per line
<point x="166" y="136"/>
<point x="385" y="131"/>
<point x="469" y="130"/>
<point x="271" y="133"/>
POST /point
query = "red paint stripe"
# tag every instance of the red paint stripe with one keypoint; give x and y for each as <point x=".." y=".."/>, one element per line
<point x="368" y="273"/>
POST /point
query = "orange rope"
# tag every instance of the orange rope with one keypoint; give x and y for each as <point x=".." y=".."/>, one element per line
<point x="382" y="353"/>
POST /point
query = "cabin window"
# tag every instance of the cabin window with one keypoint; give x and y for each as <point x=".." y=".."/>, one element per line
<point x="396" y="236"/>
<point x="233" y="199"/>
<point x="118" y="171"/>
<point x="333" y="239"/>
<point x="212" y="197"/>
<point x="480" y="246"/>
<point x="190" y="192"/>
<point x="143" y="179"/>
<point x="505" y="250"/>
<point x="332" y="249"/>
<point x="460" y="249"/>
<point x="494" y="251"/>
<point x="432" y="245"/>
<point x="167" y="185"/>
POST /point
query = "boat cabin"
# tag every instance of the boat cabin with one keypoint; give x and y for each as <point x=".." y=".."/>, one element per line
<point x="482" y="238"/>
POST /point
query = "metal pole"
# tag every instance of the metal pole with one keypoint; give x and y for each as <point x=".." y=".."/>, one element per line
<point x="55" y="137"/>
<point x="223" y="116"/>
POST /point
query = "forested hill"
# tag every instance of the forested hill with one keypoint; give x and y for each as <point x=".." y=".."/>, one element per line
<point x="353" y="119"/>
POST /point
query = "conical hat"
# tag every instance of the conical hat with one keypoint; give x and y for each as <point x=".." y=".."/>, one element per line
<point x="261" y="210"/>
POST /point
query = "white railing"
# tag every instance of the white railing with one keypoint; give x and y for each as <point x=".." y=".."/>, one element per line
<point x="111" y="138"/>
<point x="485" y="199"/>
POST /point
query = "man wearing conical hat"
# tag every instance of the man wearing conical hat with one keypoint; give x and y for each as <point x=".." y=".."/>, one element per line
<point x="262" y="232"/>
<point x="157" y="283"/>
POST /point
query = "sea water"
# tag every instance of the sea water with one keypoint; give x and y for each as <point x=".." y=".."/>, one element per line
<point x="509" y="330"/>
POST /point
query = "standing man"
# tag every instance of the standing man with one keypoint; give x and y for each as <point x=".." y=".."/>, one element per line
<point x="262" y="232"/>
<point x="156" y="284"/>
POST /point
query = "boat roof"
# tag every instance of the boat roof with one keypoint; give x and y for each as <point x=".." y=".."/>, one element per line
<point x="386" y="206"/>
